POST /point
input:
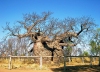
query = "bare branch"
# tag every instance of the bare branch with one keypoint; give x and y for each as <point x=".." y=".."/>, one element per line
<point x="65" y="35"/>
<point x="24" y="24"/>
<point x="66" y="44"/>
<point x="86" y="24"/>
<point x="37" y="21"/>
<point x="80" y="30"/>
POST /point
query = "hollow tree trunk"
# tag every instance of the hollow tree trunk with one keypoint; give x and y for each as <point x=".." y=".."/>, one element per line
<point x="39" y="50"/>
<point x="42" y="49"/>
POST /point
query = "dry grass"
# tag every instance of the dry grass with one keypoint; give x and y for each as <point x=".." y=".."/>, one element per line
<point x="75" y="64"/>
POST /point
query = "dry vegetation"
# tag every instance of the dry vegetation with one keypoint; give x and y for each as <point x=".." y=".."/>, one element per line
<point x="76" y="65"/>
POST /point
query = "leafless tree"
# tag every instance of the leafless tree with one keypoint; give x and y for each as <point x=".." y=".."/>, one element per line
<point x="14" y="46"/>
<point x="19" y="46"/>
<point x="49" y="34"/>
<point x="3" y="47"/>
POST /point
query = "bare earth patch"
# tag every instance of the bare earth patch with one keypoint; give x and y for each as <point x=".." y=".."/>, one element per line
<point x="59" y="69"/>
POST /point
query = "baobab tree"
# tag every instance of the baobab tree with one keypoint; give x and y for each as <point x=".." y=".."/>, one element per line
<point x="50" y="35"/>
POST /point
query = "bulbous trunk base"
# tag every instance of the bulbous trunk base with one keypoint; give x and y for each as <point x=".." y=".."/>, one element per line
<point x="39" y="50"/>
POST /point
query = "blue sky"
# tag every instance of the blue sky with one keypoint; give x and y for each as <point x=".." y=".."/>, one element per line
<point x="13" y="10"/>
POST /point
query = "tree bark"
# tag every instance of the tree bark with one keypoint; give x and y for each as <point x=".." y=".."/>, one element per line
<point x="44" y="49"/>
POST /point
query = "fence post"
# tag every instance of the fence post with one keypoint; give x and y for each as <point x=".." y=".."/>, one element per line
<point x="40" y="62"/>
<point x="69" y="60"/>
<point x="99" y="58"/>
<point x="10" y="62"/>
<point x="64" y="63"/>
<point x="82" y="59"/>
<point x="91" y="60"/>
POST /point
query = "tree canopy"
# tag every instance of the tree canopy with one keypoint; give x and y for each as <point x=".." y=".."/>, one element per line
<point x="51" y="34"/>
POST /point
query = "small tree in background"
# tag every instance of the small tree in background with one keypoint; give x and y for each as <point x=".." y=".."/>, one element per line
<point x="85" y="53"/>
<point x="95" y="44"/>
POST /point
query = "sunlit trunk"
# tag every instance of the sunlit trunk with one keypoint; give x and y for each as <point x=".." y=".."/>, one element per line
<point x="41" y="49"/>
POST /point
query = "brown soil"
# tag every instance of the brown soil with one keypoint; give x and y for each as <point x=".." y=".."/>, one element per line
<point x="23" y="70"/>
<point x="60" y="69"/>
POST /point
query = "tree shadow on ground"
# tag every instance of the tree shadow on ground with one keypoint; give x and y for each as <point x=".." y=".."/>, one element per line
<point x="79" y="68"/>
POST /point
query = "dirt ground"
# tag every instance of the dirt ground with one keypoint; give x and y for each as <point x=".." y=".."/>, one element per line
<point x="61" y="69"/>
<point x="5" y="70"/>
<point x="23" y="70"/>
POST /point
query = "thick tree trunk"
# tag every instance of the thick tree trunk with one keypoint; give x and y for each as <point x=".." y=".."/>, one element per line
<point x="42" y="49"/>
<point x="39" y="50"/>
